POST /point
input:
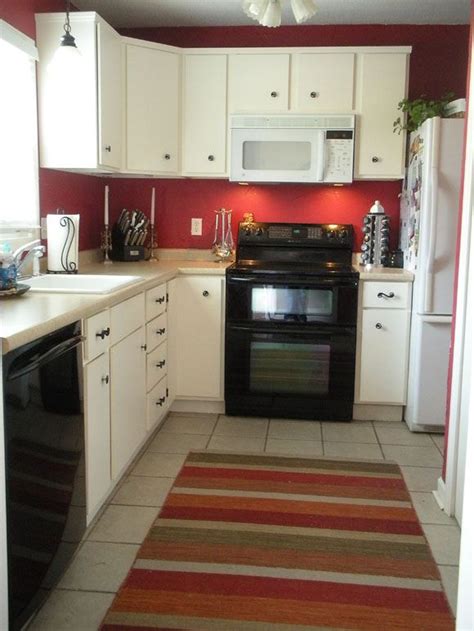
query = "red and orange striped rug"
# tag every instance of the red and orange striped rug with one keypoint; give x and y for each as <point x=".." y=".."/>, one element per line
<point x="272" y="543"/>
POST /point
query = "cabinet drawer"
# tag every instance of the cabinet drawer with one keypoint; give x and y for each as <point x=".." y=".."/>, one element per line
<point x="156" y="366"/>
<point x="157" y="403"/>
<point x="156" y="332"/>
<point x="386" y="295"/>
<point x="126" y="317"/>
<point x="97" y="332"/>
<point x="155" y="301"/>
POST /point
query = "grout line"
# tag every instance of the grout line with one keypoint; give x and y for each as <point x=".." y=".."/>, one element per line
<point x="86" y="591"/>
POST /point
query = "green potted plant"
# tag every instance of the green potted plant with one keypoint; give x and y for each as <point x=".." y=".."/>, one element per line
<point x="418" y="110"/>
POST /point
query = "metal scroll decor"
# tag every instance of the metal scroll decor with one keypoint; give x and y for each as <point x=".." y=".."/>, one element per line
<point x="68" y="265"/>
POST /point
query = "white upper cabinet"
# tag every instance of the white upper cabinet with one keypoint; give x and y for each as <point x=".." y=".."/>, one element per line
<point x="381" y="85"/>
<point x="152" y="102"/>
<point x="80" y="104"/>
<point x="322" y="82"/>
<point x="204" y="114"/>
<point x="259" y="82"/>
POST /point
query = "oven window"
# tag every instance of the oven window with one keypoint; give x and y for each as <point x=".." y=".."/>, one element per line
<point x="289" y="368"/>
<point x="263" y="155"/>
<point x="284" y="304"/>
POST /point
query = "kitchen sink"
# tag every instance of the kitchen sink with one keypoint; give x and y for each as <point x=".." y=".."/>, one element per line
<point x="79" y="283"/>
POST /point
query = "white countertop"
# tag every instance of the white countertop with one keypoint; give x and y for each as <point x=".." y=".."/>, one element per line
<point x="384" y="274"/>
<point x="27" y="317"/>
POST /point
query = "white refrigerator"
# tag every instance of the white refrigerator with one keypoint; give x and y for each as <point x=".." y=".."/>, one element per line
<point x="428" y="233"/>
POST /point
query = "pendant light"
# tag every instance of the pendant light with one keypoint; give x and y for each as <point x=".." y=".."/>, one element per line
<point x="67" y="55"/>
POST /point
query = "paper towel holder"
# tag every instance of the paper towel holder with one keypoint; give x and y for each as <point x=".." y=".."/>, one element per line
<point x="68" y="266"/>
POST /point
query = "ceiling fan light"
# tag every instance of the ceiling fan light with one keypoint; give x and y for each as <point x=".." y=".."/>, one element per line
<point x="303" y="10"/>
<point x="272" y="14"/>
<point x="254" y="8"/>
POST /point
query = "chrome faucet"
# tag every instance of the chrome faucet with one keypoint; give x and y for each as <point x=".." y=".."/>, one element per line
<point x="34" y="250"/>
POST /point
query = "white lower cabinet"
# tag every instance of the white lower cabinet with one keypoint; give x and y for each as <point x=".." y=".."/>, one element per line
<point x="198" y="316"/>
<point x="97" y="434"/>
<point x="384" y="326"/>
<point x="127" y="399"/>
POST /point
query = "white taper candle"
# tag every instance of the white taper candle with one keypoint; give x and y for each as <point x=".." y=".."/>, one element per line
<point x="106" y="206"/>
<point x="152" y="210"/>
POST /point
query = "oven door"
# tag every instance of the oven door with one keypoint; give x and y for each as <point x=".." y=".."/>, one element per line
<point x="288" y="299"/>
<point x="298" y="372"/>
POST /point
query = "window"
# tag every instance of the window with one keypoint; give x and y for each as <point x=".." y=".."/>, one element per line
<point x="19" y="194"/>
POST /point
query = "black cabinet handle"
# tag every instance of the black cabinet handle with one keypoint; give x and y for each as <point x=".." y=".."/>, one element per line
<point x="314" y="95"/>
<point x="105" y="379"/>
<point x="160" y="331"/>
<point x="104" y="333"/>
<point x="143" y="347"/>
<point x="160" y="300"/>
<point x="161" y="363"/>
<point x="108" y="148"/>
<point x="205" y="293"/>
<point x="273" y="94"/>
<point x="382" y="294"/>
<point x="211" y="158"/>
<point x="378" y="326"/>
<point x="160" y="401"/>
<point x="375" y="159"/>
<point x="167" y="156"/>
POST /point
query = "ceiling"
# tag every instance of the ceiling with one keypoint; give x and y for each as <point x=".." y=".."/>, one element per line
<point x="154" y="13"/>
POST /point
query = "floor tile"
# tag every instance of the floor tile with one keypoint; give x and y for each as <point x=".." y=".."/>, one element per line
<point x="428" y="510"/>
<point x="294" y="430"/>
<point x="402" y="436"/>
<point x="99" y="566"/>
<point x="74" y="611"/>
<point x="248" y="427"/>
<point x="143" y="491"/>
<point x="190" y="424"/>
<point x="237" y="443"/>
<point x="355" y="432"/>
<point x="123" y="524"/>
<point x="415" y="456"/>
<point x="450" y="578"/>
<point x="421" y="478"/>
<point x="352" y="450"/>
<point x="169" y="443"/>
<point x="444" y="543"/>
<point x="294" y="447"/>
<point x="438" y="440"/>
<point x="159" y="465"/>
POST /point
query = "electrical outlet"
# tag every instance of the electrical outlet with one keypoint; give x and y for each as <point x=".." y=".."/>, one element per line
<point x="44" y="229"/>
<point x="196" y="227"/>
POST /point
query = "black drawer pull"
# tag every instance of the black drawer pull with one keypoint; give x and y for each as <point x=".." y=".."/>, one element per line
<point x="160" y="331"/>
<point x="205" y="293"/>
<point x="161" y="363"/>
<point x="143" y="347"/>
<point x="104" y="333"/>
<point x="160" y="300"/>
<point x="105" y="379"/>
<point x="382" y="294"/>
<point x="378" y="326"/>
<point x="274" y="94"/>
<point x="160" y="401"/>
<point x="375" y="159"/>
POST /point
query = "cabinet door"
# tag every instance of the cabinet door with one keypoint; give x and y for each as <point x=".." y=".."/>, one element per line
<point x="384" y="353"/>
<point x="198" y="332"/>
<point x="259" y="83"/>
<point x="152" y="109"/>
<point x="204" y="114"/>
<point x="109" y="46"/>
<point x="127" y="398"/>
<point x="97" y="432"/>
<point x="381" y="85"/>
<point x="322" y="82"/>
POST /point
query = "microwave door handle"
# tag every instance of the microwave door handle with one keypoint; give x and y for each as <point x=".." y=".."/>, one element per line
<point x="320" y="155"/>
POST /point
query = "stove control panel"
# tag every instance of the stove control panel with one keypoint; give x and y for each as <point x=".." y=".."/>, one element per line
<point x="341" y="235"/>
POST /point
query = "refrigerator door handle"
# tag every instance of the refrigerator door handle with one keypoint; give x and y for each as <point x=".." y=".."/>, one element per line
<point x="435" y="141"/>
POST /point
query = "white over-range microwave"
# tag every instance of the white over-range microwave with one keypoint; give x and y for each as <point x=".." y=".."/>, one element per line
<point x="292" y="148"/>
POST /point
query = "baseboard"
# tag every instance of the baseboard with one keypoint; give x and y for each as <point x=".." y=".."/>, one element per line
<point x="440" y="494"/>
<point x="362" y="412"/>
<point x="194" y="406"/>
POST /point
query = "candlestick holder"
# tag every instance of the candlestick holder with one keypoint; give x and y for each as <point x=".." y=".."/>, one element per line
<point x="106" y="243"/>
<point x="153" y="244"/>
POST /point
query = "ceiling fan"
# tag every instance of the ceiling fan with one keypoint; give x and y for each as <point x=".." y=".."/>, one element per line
<point x="268" y="12"/>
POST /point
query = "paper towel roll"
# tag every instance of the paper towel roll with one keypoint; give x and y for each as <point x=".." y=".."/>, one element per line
<point x="63" y="243"/>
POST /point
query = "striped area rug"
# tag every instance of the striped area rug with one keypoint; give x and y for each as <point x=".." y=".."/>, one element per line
<point x="273" y="543"/>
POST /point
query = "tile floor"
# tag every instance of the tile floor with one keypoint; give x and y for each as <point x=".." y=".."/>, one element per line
<point x="88" y="587"/>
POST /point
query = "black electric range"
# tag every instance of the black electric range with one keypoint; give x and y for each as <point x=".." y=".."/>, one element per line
<point x="291" y="314"/>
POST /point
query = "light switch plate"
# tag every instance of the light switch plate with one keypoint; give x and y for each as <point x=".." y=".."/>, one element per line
<point x="196" y="227"/>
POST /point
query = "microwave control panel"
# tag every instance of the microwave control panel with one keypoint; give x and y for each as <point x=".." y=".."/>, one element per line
<point x="339" y="156"/>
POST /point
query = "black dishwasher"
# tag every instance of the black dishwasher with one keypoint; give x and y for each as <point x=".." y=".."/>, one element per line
<point x="45" y="472"/>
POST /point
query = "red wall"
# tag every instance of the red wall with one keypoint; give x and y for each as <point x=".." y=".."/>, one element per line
<point x="438" y="64"/>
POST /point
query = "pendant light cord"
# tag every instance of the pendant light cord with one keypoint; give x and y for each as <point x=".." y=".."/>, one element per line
<point x="67" y="24"/>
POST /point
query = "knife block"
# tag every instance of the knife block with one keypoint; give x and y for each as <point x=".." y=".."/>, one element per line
<point x="127" y="253"/>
